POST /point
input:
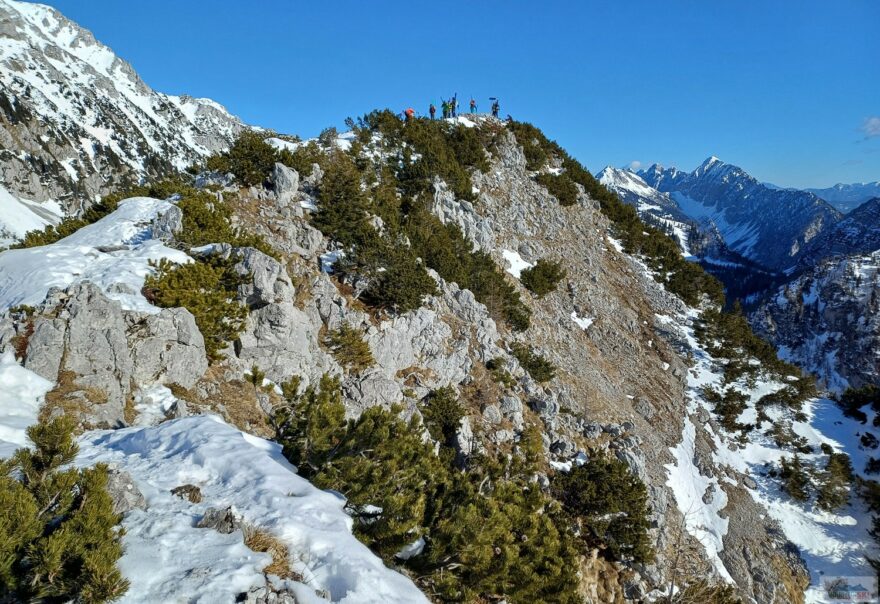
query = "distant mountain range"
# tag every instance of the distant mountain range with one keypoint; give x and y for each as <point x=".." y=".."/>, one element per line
<point x="848" y="197"/>
<point x="768" y="226"/>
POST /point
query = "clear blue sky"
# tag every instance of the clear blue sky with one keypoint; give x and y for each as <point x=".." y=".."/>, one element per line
<point x="785" y="89"/>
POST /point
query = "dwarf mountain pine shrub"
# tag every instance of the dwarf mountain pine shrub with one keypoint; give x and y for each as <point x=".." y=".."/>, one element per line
<point x="207" y="289"/>
<point x="795" y="480"/>
<point x="542" y="278"/>
<point x="59" y="537"/>
<point x="378" y="461"/>
<point x="559" y="186"/>
<point x="535" y="364"/>
<point x="488" y="532"/>
<point x="348" y="347"/>
<point x="442" y="411"/>
<point x="250" y="159"/>
<point x="609" y="504"/>
<point x="834" y="482"/>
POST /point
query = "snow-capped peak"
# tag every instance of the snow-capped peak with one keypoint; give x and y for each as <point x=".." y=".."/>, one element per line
<point x="82" y="113"/>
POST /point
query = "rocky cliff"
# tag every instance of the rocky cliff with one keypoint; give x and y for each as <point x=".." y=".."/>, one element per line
<point x="76" y="121"/>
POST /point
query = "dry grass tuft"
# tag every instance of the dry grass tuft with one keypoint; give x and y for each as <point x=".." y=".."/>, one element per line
<point x="264" y="542"/>
<point x="70" y="398"/>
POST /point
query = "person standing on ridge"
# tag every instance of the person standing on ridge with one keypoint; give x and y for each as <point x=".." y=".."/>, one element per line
<point x="409" y="113"/>
<point x="473" y="106"/>
<point x="454" y="104"/>
<point x="496" y="107"/>
<point x="432" y="110"/>
<point x="445" y="106"/>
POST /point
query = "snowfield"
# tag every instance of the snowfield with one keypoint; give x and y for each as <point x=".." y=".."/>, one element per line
<point x="168" y="559"/>
<point x="113" y="253"/>
<point x="21" y="394"/>
<point x="832" y="544"/>
<point x="18" y="216"/>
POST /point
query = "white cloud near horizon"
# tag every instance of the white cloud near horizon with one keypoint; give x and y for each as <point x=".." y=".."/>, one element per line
<point x="871" y="127"/>
<point x="634" y="165"/>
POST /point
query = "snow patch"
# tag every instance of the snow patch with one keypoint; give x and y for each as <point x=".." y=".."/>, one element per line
<point x="113" y="253"/>
<point x="516" y="264"/>
<point x="168" y="559"/>
<point x="21" y="394"/>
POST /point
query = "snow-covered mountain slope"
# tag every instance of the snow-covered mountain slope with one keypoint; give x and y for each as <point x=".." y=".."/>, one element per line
<point x="76" y="120"/>
<point x="169" y="559"/>
<point x="18" y="216"/>
<point x="113" y="253"/>
<point x="831" y="544"/>
<point x="653" y="206"/>
<point x="857" y="233"/>
<point x="768" y="226"/>
<point x="846" y="197"/>
<point x="827" y="321"/>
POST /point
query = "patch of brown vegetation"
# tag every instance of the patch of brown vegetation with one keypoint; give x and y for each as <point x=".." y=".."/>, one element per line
<point x="261" y="541"/>
<point x="70" y="398"/>
<point x="234" y="399"/>
<point x="21" y="339"/>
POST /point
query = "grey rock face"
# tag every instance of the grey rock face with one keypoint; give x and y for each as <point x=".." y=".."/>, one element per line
<point x="270" y="284"/>
<point x="492" y="415"/>
<point x="190" y="492"/>
<point x="124" y="492"/>
<point x="286" y="183"/>
<point x="267" y="595"/>
<point x="167" y="225"/>
<point x="96" y="349"/>
<point x="86" y="340"/>
<point x="166" y="348"/>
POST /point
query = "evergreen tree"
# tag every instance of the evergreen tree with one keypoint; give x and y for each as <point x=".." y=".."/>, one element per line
<point x="834" y="482"/>
<point x="795" y="480"/>
<point x="250" y="159"/>
<point x="59" y="537"/>
<point x="205" y="288"/>
<point x="443" y="412"/>
<point x="610" y="506"/>
<point x="542" y="278"/>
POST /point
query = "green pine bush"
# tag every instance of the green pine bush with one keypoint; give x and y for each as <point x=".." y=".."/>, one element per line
<point x="542" y="278"/>
<point x="795" y="480"/>
<point x="609" y="504"/>
<point x="442" y="411"/>
<point x="559" y="186"/>
<point x="208" y="290"/>
<point x="488" y="532"/>
<point x="834" y="482"/>
<point x="379" y="462"/>
<point x="348" y="347"/>
<point x="59" y="537"/>
<point x="535" y="364"/>
<point x="250" y="159"/>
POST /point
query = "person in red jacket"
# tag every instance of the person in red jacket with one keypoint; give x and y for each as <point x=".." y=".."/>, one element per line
<point x="432" y="110"/>
<point x="409" y="113"/>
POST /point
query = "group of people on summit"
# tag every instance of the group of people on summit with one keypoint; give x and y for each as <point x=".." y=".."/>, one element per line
<point x="449" y="108"/>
